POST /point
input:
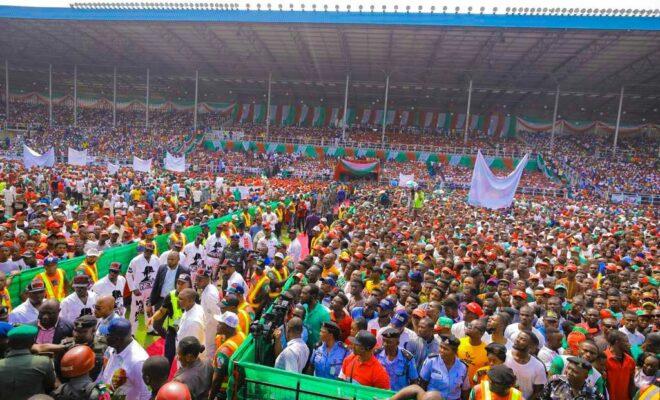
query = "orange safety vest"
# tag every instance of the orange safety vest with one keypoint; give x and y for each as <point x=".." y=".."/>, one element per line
<point x="486" y="394"/>
<point x="281" y="277"/>
<point x="243" y="322"/>
<point x="90" y="270"/>
<point x="244" y="306"/>
<point x="5" y="299"/>
<point x="58" y="291"/>
<point x="251" y="299"/>
<point x="228" y="348"/>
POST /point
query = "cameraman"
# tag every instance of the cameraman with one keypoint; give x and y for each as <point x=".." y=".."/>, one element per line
<point x="279" y="334"/>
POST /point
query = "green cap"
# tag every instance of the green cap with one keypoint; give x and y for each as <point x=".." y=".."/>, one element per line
<point x="23" y="332"/>
<point x="445" y="321"/>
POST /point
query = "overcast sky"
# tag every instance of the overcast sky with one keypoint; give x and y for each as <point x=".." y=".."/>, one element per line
<point x="489" y="4"/>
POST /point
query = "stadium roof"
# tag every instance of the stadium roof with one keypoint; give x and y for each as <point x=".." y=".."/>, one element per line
<point x="515" y="61"/>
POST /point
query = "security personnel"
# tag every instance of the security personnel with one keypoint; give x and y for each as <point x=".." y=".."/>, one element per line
<point x="54" y="279"/>
<point x="166" y="319"/>
<point x="327" y="359"/>
<point x="445" y="372"/>
<point x="5" y="298"/>
<point x="399" y="363"/>
<point x="259" y="293"/>
<point x="88" y="266"/>
<point x="76" y="365"/>
<point x="278" y="274"/>
<point x="500" y="382"/>
<point x="177" y="235"/>
<point x="84" y="328"/>
<point x="231" y="303"/>
<point x="239" y="291"/>
<point x="227" y="324"/>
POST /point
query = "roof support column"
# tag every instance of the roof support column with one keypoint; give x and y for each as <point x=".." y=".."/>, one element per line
<point x="343" y="124"/>
<point x="114" y="97"/>
<point x="270" y="77"/>
<point x="387" y="92"/>
<point x="6" y="92"/>
<point x="467" y="114"/>
<point x="146" y="113"/>
<point x="75" y="96"/>
<point x="196" y="93"/>
<point x="618" y="122"/>
<point x="50" y="94"/>
<point x="554" y="120"/>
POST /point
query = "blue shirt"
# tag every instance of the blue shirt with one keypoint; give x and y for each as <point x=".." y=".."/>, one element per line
<point x="448" y="383"/>
<point x="327" y="364"/>
<point x="359" y="312"/>
<point x="401" y="370"/>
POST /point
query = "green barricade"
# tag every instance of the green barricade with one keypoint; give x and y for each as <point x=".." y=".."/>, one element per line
<point x="123" y="254"/>
<point x="261" y="382"/>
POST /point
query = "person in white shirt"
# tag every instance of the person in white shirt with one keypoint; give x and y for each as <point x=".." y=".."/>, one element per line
<point x="214" y="245"/>
<point x="209" y="300"/>
<point x="629" y="328"/>
<point x="231" y="276"/>
<point x="295" y="248"/>
<point x="530" y="372"/>
<point x="176" y="246"/>
<point x="195" y="254"/>
<point x="192" y="321"/>
<point x="294" y="357"/>
<point x="552" y="347"/>
<point x="80" y="302"/>
<point x="269" y="217"/>
<point x="113" y="285"/>
<point x="526" y="316"/>
<point x="140" y="279"/>
<point x="28" y="311"/>
<point x="122" y="372"/>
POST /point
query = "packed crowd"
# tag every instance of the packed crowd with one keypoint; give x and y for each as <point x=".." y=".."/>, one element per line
<point x="399" y="289"/>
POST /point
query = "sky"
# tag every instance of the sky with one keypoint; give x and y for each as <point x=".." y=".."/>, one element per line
<point x="426" y="4"/>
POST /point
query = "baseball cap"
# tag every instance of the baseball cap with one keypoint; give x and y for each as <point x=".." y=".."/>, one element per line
<point x="386" y="304"/>
<point x="475" y="308"/>
<point x="85" y="321"/>
<point x="279" y="255"/>
<point x="23" y="332"/>
<point x="236" y="288"/>
<point x="365" y="339"/>
<point x="119" y="327"/>
<point x="37" y="285"/>
<point x="328" y="281"/>
<point x="115" y="266"/>
<point x="228" y="318"/>
<point x="519" y="293"/>
<point x="580" y="362"/>
<point x="81" y="280"/>
<point x="230" y="301"/>
<point x="92" y="252"/>
<point x="51" y="260"/>
<point x="205" y="272"/>
<point x="400" y="319"/>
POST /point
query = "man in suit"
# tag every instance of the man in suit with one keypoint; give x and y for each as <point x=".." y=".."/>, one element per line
<point x="166" y="278"/>
<point x="52" y="328"/>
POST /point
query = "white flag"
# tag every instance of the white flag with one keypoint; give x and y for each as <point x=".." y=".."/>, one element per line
<point x="76" y="157"/>
<point x="175" y="164"/>
<point x="112" y="168"/>
<point x="404" y="179"/>
<point x="141" y="165"/>
<point x="33" y="159"/>
<point x="490" y="191"/>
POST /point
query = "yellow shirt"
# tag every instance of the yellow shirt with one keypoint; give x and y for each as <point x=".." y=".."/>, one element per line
<point x="332" y="270"/>
<point x="473" y="356"/>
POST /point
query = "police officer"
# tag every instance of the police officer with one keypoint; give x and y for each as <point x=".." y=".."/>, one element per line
<point x="445" y="372"/>
<point x="399" y="363"/>
<point x="76" y="365"/>
<point x="327" y="359"/>
<point x="83" y="334"/>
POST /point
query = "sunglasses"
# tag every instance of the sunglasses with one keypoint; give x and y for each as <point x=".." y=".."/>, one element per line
<point x="610" y="326"/>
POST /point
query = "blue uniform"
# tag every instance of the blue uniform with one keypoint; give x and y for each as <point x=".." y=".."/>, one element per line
<point x="402" y="370"/>
<point x="448" y="383"/>
<point x="327" y="364"/>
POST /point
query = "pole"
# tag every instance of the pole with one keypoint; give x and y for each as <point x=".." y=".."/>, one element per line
<point x="146" y="115"/>
<point x="50" y="94"/>
<point x="467" y="114"/>
<point x="75" y="95"/>
<point x="618" y="121"/>
<point x="6" y="91"/>
<point x="343" y="125"/>
<point x="554" y="119"/>
<point x="196" y="89"/>
<point x="114" y="98"/>
<point x="270" y="76"/>
<point x="387" y="92"/>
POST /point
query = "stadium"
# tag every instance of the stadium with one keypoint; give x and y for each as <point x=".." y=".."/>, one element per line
<point x="455" y="145"/>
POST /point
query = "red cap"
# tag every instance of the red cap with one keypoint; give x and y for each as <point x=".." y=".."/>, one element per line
<point x="571" y="267"/>
<point x="549" y="291"/>
<point x="475" y="308"/>
<point x="519" y="293"/>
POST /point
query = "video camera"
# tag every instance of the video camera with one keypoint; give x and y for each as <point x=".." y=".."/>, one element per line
<point x="272" y="319"/>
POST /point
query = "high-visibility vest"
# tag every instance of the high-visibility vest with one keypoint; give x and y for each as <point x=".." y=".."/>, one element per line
<point x="90" y="270"/>
<point x="5" y="299"/>
<point x="244" y="306"/>
<point x="650" y="393"/>
<point x="251" y="299"/>
<point x="243" y="322"/>
<point x="281" y="277"/>
<point x="171" y="322"/>
<point x="514" y="394"/>
<point x="230" y="346"/>
<point x="54" y="293"/>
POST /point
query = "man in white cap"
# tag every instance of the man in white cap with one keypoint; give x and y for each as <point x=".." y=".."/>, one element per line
<point x="88" y="266"/>
<point x="227" y="323"/>
<point x="80" y="302"/>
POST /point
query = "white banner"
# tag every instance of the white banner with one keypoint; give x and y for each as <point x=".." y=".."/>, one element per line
<point x="175" y="164"/>
<point x="33" y="159"/>
<point x="404" y="179"/>
<point x="112" y="168"/>
<point x="141" y="165"/>
<point x="490" y="191"/>
<point x="246" y="191"/>
<point x="76" y="157"/>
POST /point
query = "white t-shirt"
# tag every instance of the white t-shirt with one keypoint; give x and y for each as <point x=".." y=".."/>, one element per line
<point x="527" y="375"/>
<point x="511" y="332"/>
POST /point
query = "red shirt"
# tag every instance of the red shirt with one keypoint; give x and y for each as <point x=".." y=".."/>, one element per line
<point x="344" y="324"/>
<point x="619" y="387"/>
<point x="370" y="373"/>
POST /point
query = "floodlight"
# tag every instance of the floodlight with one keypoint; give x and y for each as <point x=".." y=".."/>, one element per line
<point x="291" y="6"/>
<point x="337" y="7"/>
<point x="360" y="7"/>
<point x="396" y="8"/>
<point x="494" y="10"/>
<point x="384" y="7"/>
<point x="419" y="9"/>
<point x="444" y="9"/>
<point x="469" y="9"/>
<point x="247" y="6"/>
<point x="371" y="7"/>
<point x="457" y="9"/>
<point x="348" y="7"/>
<point x="268" y="6"/>
<point x="482" y="9"/>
